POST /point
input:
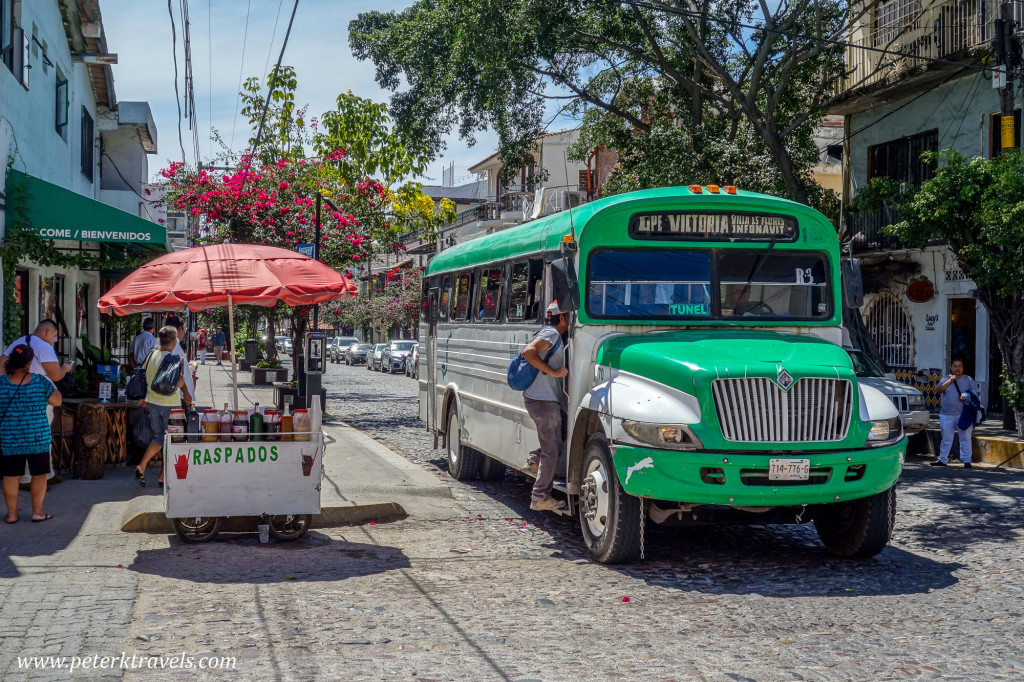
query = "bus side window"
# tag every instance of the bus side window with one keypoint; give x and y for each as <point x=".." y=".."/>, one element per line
<point x="519" y="292"/>
<point x="489" y="299"/>
<point x="446" y="290"/>
<point x="425" y="299"/>
<point x="460" y="309"/>
<point x="535" y="287"/>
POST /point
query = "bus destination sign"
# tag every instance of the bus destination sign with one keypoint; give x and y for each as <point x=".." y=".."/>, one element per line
<point x="713" y="226"/>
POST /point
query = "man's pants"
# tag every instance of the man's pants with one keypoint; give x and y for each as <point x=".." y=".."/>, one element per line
<point x="947" y="422"/>
<point x="27" y="478"/>
<point x="218" y="352"/>
<point x="547" y="415"/>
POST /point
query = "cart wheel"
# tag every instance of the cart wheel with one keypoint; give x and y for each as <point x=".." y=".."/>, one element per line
<point x="197" y="529"/>
<point x="290" y="526"/>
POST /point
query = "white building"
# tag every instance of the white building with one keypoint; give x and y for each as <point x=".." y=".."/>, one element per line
<point x="918" y="87"/>
<point x="78" y="165"/>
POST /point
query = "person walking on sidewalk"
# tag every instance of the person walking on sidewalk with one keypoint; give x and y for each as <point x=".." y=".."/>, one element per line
<point x="158" y="405"/>
<point x="954" y="390"/>
<point x="201" y="343"/>
<point x="218" y="345"/>
<point x="544" y="399"/>
<point x="24" y="430"/>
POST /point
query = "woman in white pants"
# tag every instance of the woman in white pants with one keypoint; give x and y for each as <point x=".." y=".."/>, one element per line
<point x="954" y="389"/>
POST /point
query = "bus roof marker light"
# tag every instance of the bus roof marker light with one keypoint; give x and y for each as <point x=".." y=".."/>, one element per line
<point x="696" y="189"/>
<point x="713" y="189"/>
<point x="730" y="189"/>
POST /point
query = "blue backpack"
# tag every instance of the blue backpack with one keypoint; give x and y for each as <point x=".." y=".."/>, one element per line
<point x="521" y="374"/>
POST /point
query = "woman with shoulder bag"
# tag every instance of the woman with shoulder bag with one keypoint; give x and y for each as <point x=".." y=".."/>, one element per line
<point x="954" y="391"/>
<point x="25" y="431"/>
<point x="159" y="404"/>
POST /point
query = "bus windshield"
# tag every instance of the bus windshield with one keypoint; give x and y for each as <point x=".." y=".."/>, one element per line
<point x="681" y="283"/>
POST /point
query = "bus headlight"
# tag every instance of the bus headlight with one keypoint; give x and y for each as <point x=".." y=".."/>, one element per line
<point x="885" y="432"/>
<point x="671" y="436"/>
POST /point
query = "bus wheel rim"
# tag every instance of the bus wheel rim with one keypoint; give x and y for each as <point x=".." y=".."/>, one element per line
<point x="594" y="499"/>
<point x="453" y="443"/>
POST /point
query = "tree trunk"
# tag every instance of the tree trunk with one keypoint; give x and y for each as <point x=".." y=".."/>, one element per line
<point x="90" y="442"/>
<point x="272" y="335"/>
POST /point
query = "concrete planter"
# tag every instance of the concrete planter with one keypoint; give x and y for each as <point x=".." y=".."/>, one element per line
<point x="269" y="376"/>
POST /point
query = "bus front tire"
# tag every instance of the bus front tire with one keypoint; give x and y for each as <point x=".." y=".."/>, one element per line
<point x="858" y="529"/>
<point x="609" y="517"/>
<point x="463" y="462"/>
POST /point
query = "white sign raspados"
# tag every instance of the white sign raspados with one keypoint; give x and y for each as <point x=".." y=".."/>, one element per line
<point x="243" y="478"/>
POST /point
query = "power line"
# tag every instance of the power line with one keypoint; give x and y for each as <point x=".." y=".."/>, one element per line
<point x="270" y="47"/>
<point x="209" y="54"/>
<point x="241" y="70"/>
<point x="270" y="92"/>
<point x="177" y="95"/>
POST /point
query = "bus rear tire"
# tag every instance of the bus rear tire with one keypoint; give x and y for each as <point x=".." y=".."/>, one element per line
<point x="609" y="517"/>
<point x="463" y="462"/>
<point x="858" y="529"/>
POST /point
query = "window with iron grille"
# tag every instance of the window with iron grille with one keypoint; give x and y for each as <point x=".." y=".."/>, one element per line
<point x="901" y="159"/>
<point x="892" y="19"/>
<point x="889" y="326"/>
<point x="88" y="145"/>
<point x="7" y="34"/>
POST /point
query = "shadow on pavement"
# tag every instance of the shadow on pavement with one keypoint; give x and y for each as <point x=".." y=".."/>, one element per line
<point x="242" y="560"/>
<point x="70" y="502"/>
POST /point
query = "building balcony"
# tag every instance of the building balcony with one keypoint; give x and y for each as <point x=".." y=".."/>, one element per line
<point x="896" y="43"/>
<point x="867" y="231"/>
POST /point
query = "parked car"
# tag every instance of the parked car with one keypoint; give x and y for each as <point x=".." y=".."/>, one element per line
<point x="284" y="345"/>
<point x="394" y="356"/>
<point x="340" y="344"/>
<point x="412" y="363"/>
<point x="907" y="399"/>
<point x="357" y="352"/>
<point x="373" y="357"/>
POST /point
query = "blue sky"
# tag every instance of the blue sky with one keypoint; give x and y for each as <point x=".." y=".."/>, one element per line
<point x="139" y="32"/>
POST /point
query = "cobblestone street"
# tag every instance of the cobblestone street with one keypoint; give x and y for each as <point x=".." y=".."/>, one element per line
<point x="494" y="591"/>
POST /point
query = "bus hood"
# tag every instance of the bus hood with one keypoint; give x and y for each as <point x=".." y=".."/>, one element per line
<point x="686" y="360"/>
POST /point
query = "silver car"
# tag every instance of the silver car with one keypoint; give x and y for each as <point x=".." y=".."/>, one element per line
<point x="394" y="356"/>
<point x="373" y="357"/>
<point x="340" y="344"/>
<point x="357" y="352"/>
<point x="907" y="399"/>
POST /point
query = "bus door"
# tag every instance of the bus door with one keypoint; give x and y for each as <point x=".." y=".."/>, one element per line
<point x="431" y="360"/>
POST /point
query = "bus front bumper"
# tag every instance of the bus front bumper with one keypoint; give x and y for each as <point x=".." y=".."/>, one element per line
<point x="742" y="479"/>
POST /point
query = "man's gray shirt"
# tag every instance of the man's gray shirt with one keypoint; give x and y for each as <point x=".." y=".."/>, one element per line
<point x="142" y="346"/>
<point x="545" y="386"/>
<point x="951" y="404"/>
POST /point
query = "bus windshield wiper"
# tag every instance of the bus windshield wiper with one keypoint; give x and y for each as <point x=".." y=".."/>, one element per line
<point x="756" y="269"/>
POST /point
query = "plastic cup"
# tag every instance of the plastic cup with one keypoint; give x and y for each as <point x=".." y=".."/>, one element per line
<point x="264" y="532"/>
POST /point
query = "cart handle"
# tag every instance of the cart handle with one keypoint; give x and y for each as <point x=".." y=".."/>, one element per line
<point x="329" y="439"/>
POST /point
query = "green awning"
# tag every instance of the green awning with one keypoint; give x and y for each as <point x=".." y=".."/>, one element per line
<point x="53" y="212"/>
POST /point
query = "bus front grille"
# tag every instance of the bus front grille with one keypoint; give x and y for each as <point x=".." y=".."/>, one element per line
<point x="756" y="410"/>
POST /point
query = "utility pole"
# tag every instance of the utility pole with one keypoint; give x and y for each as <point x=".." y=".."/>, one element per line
<point x="1008" y="52"/>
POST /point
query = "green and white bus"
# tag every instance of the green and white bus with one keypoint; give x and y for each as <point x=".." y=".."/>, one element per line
<point x="707" y="382"/>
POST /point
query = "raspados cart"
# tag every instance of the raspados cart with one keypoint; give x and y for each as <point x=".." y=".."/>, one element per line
<point x="207" y="481"/>
<point x="278" y="481"/>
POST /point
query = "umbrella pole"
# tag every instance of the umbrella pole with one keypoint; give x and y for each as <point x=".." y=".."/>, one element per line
<point x="234" y="364"/>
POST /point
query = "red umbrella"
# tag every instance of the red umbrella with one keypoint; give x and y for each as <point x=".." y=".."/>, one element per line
<point x="226" y="275"/>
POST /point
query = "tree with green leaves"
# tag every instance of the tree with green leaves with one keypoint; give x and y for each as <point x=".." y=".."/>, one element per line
<point x="703" y="90"/>
<point x="977" y="207"/>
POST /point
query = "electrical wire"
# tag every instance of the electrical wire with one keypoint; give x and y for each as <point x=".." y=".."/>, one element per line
<point x="209" y="54"/>
<point x="241" y="70"/>
<point x="129" y="185"/>
<point x="960" y="112"/>
<point x="177" y="95"/>
<point x="270" y="47"/>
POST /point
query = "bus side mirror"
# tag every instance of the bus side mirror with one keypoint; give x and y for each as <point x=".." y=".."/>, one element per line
<point x="564" y="284"/>
<point x="853" y="284"/>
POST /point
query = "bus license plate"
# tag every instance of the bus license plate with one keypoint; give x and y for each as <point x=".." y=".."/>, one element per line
<point x="789" y="469"/>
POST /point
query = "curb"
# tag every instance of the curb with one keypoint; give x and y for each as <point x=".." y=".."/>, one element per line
<point x="987" y="449"/>
<point x="329" y="517"/>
